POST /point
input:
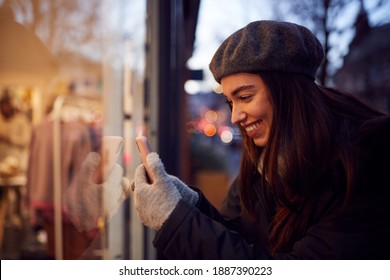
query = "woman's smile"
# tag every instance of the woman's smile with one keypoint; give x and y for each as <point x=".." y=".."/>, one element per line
<point x="253" y="128"/>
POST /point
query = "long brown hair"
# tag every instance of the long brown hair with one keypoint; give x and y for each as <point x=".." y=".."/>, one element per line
<point x="312" y="133"/>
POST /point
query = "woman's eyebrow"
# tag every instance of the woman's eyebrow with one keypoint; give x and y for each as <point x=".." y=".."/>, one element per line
<point x="241" y="88"/>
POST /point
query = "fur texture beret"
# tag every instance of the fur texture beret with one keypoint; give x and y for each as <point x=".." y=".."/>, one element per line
<point x="268" y="46"/>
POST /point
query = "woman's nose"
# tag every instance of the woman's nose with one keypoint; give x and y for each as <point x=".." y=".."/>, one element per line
<point x="237" y="116"/>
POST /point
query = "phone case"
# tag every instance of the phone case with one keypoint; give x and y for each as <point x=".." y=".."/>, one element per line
<point x="144" y="150"/>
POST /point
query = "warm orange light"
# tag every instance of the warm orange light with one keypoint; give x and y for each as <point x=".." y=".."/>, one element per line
<point x="210" y="130"/>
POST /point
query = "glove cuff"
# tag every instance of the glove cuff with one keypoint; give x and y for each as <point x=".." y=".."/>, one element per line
<point x="188" y="194"/>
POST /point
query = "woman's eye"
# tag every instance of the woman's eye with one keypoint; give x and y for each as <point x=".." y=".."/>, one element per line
<point x="245" y="97"/>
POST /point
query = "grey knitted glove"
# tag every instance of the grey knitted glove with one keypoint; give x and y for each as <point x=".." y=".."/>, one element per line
<point x="189" y="195"/>
<point x="154" y="202"/>
<point x="86" y="202"/>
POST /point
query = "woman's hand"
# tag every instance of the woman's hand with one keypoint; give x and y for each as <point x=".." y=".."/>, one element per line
<point x="154" y="202"/>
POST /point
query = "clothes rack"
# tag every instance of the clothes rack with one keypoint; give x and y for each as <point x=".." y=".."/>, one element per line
<point x="84" y="105"/>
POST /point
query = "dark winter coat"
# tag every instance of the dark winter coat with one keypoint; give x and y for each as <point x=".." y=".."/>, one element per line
<point x="363" y="232"/>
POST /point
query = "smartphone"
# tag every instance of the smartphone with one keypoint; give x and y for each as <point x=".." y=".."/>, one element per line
<point x="144" y="150"/>
<point x="111" y="147"/>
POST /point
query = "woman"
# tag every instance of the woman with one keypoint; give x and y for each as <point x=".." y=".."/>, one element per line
<point x="314" y="177"/>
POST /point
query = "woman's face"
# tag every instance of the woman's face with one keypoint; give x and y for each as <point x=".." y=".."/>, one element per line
<point x="251" y="106"/>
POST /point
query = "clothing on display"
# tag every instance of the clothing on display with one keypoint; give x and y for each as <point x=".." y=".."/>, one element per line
<point x="77" y="138"/>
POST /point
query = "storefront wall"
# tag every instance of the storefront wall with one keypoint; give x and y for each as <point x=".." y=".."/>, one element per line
<point x="127" y="58"/>
<point x="98" y="50"/>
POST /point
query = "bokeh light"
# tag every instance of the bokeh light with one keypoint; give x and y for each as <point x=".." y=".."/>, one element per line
<point x="217" y="88"/>
<point x="210" y="130"/>
<point x="192" y="87"/>
<point x="227" y="136"/>
<point x="211" y="116"/>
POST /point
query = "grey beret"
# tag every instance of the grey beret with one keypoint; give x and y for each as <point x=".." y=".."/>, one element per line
<point x="268" y="46"/>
